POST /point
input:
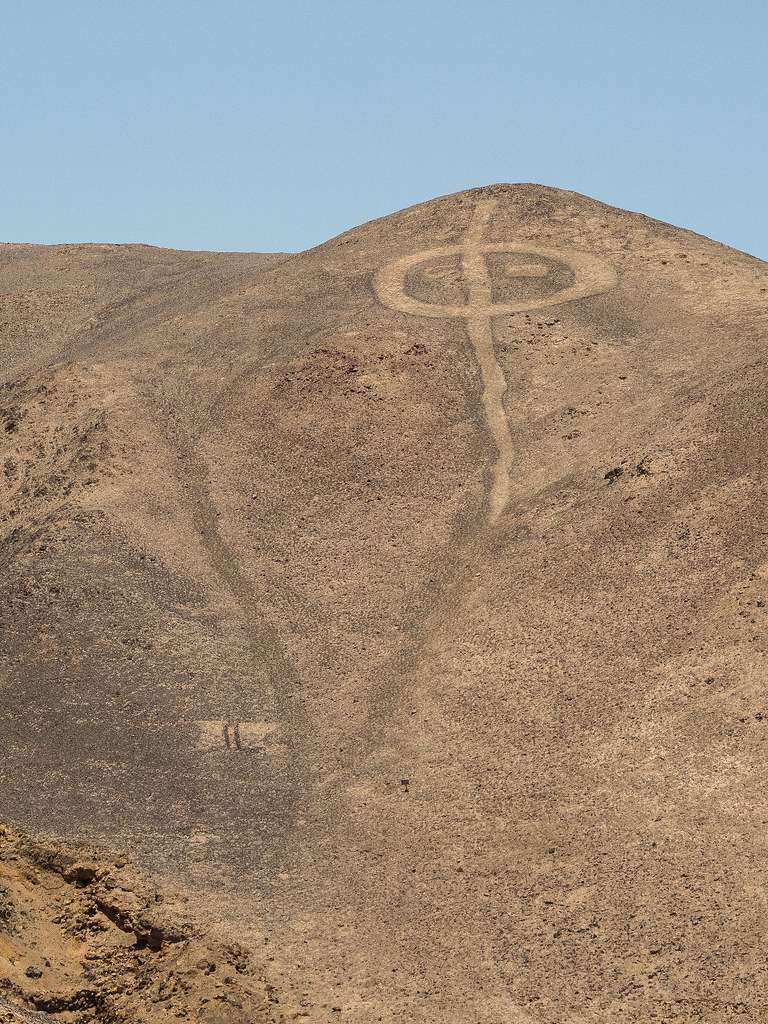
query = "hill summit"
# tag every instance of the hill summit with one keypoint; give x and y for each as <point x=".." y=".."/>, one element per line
<point x="404" y="603"/>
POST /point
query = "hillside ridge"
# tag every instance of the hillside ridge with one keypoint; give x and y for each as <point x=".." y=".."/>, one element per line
<point x="401" y="602"/>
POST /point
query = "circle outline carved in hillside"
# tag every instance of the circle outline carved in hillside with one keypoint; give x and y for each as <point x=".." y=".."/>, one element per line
<point x="591" y="276"/>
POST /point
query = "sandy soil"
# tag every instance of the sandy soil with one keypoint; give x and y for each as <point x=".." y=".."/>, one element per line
<point x="402" y="605"/>
<point x="83" y="938"/>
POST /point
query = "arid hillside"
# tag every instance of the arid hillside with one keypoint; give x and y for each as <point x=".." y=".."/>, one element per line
<point x="403" y="604"/>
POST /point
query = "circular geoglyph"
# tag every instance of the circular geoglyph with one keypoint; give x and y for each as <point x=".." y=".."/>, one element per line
<point x="543" y="277"/>
<point x="478" y="280"/>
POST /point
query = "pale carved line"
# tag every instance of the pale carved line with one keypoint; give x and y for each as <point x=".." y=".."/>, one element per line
<point x="480" y="329"/>
<point x="591" y="276"/>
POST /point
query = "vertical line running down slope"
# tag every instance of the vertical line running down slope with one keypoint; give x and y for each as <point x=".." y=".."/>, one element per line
<point x="480" y="330"/>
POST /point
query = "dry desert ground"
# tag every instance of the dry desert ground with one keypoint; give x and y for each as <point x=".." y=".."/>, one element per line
<point x="385" y="627"/>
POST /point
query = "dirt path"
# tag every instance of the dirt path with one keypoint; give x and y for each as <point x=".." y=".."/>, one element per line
<point x="590" y="276"/>
<point x="479" y="311"/>
<point x="480" y="328"/>
<point x="267" y="652"/>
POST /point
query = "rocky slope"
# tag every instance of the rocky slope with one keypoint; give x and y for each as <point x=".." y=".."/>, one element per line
<point x="405" y="600"/>
<point x="83" y="938"/>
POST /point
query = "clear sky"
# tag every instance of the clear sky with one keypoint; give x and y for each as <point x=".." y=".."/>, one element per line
<point x="275" y="124"/>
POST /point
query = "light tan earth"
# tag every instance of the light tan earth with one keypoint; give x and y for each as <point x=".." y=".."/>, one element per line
<point x="403" y="604"/>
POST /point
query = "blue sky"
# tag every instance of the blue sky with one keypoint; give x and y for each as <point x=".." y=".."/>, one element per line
<point x="275" y="124"/>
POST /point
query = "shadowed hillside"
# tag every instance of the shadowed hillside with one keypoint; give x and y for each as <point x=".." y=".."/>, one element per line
<point x="405" y="603"/>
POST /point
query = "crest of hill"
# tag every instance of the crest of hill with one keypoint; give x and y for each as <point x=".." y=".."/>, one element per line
<point x="266" y="628"/>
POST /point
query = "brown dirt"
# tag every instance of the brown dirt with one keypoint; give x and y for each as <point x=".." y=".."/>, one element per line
<point x="465" y="717"/>
<point x="84" y="939"/>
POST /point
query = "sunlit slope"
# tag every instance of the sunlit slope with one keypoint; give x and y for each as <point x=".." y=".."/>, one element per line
<point x="406" y="598"/>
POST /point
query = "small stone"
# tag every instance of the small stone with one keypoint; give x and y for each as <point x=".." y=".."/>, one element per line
<point x="33" y="972"/>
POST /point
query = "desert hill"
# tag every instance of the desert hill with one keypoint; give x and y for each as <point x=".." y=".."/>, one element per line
<point x="404" y="603"/>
